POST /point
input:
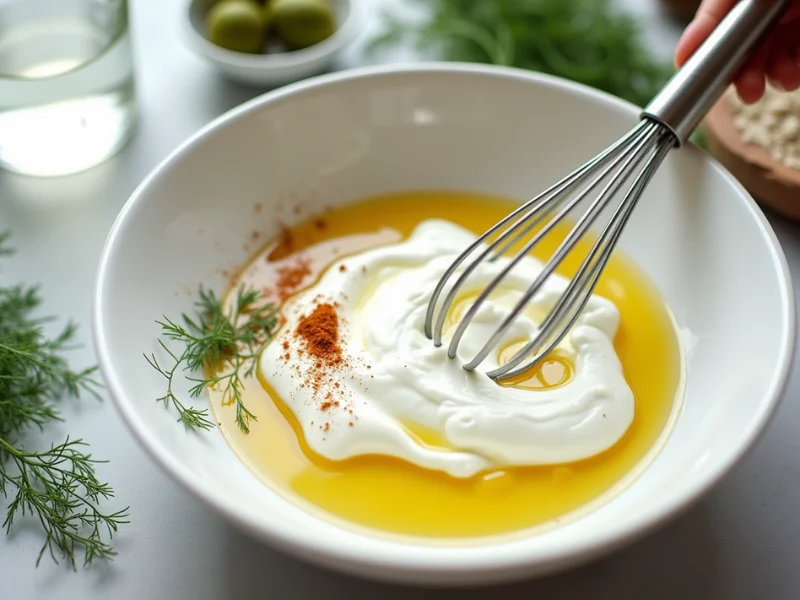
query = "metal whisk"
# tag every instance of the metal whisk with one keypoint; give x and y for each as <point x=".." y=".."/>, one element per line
<point x="623" y="170"/>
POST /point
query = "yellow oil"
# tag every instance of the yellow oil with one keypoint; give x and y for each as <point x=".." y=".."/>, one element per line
<point x="554" y="371"/>
<point x="388" y="496"/>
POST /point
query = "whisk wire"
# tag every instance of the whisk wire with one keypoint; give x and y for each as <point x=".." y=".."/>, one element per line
<point x="628" y="160"/>
<point x="577" y="175"/>
<point x="531" y="209"/>
<point x="572" y="302"/>
<point x="539" y="211"/>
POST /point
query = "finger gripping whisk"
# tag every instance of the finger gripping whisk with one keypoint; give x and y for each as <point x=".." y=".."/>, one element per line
<point x="610" y="184"/>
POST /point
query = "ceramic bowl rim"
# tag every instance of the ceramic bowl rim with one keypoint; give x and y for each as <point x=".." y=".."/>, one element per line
<point x="492" y="562"/>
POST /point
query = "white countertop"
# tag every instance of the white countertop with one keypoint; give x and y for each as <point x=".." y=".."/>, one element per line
<point x="742" y="541"/>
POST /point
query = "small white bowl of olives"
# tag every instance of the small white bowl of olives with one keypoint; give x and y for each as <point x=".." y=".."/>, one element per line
<point x="272" y="42"/>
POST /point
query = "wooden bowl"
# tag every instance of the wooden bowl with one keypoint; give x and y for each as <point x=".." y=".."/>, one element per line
<point x="683" y="9"/>
<point x="772" y="183"/>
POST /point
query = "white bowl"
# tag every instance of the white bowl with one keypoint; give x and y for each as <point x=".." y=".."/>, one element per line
<point x="345" y="136"/>
<point x="269" y="70"/>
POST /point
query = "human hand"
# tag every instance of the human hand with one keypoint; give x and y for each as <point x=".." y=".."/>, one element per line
<point x="776" y="61"/>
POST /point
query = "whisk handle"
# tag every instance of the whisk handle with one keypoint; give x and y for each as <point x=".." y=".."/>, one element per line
<point x="695" y="88"/>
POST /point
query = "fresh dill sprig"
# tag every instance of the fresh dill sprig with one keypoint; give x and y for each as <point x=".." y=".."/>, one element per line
<point x="57" y="487"/>
<point x="588" y="41"/>
<point x="222" y="346"/>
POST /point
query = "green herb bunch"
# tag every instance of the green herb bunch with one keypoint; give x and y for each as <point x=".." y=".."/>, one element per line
<point x="56" y="487"/>
<point x="587" y="41"/>
<point x="219" y="346"/>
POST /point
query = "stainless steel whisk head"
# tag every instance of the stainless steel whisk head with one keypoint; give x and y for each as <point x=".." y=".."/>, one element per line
<point x="613" y="181"/>
<point x="630" y="163"/>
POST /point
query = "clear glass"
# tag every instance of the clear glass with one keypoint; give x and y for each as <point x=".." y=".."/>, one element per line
<point x="67" y="98"/>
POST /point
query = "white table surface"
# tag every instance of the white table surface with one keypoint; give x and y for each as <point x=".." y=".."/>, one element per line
<point x="741" y="542"/>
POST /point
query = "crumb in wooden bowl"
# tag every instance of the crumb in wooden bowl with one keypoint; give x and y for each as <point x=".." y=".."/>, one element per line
<point x="760" y="145"/>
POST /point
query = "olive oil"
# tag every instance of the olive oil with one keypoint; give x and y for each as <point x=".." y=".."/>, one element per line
<point x="387" y="496"/>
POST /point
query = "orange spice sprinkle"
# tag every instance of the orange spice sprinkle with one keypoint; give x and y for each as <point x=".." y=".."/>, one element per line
<point x="291" y="277"/>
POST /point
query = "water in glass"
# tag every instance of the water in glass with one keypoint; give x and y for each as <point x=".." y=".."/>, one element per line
<point x="67" y="99"/>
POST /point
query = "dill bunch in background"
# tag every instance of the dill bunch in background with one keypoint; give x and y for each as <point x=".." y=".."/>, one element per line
<point x="587" y="41"/>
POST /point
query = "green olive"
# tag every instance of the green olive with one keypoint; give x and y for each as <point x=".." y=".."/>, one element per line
<point x="302" y="23"/>
<point x="204" y="5"/>
<point x="236" y="25"/>
<point x="266" y="16"/>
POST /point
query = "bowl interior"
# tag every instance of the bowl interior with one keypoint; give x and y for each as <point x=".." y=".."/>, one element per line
<point x="341" y="138"/>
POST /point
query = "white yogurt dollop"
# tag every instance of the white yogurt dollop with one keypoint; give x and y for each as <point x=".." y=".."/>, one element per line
<point x="395" y="378"/>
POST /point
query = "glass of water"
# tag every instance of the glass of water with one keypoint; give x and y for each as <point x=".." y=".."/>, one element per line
<point x="67" y="99"/>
